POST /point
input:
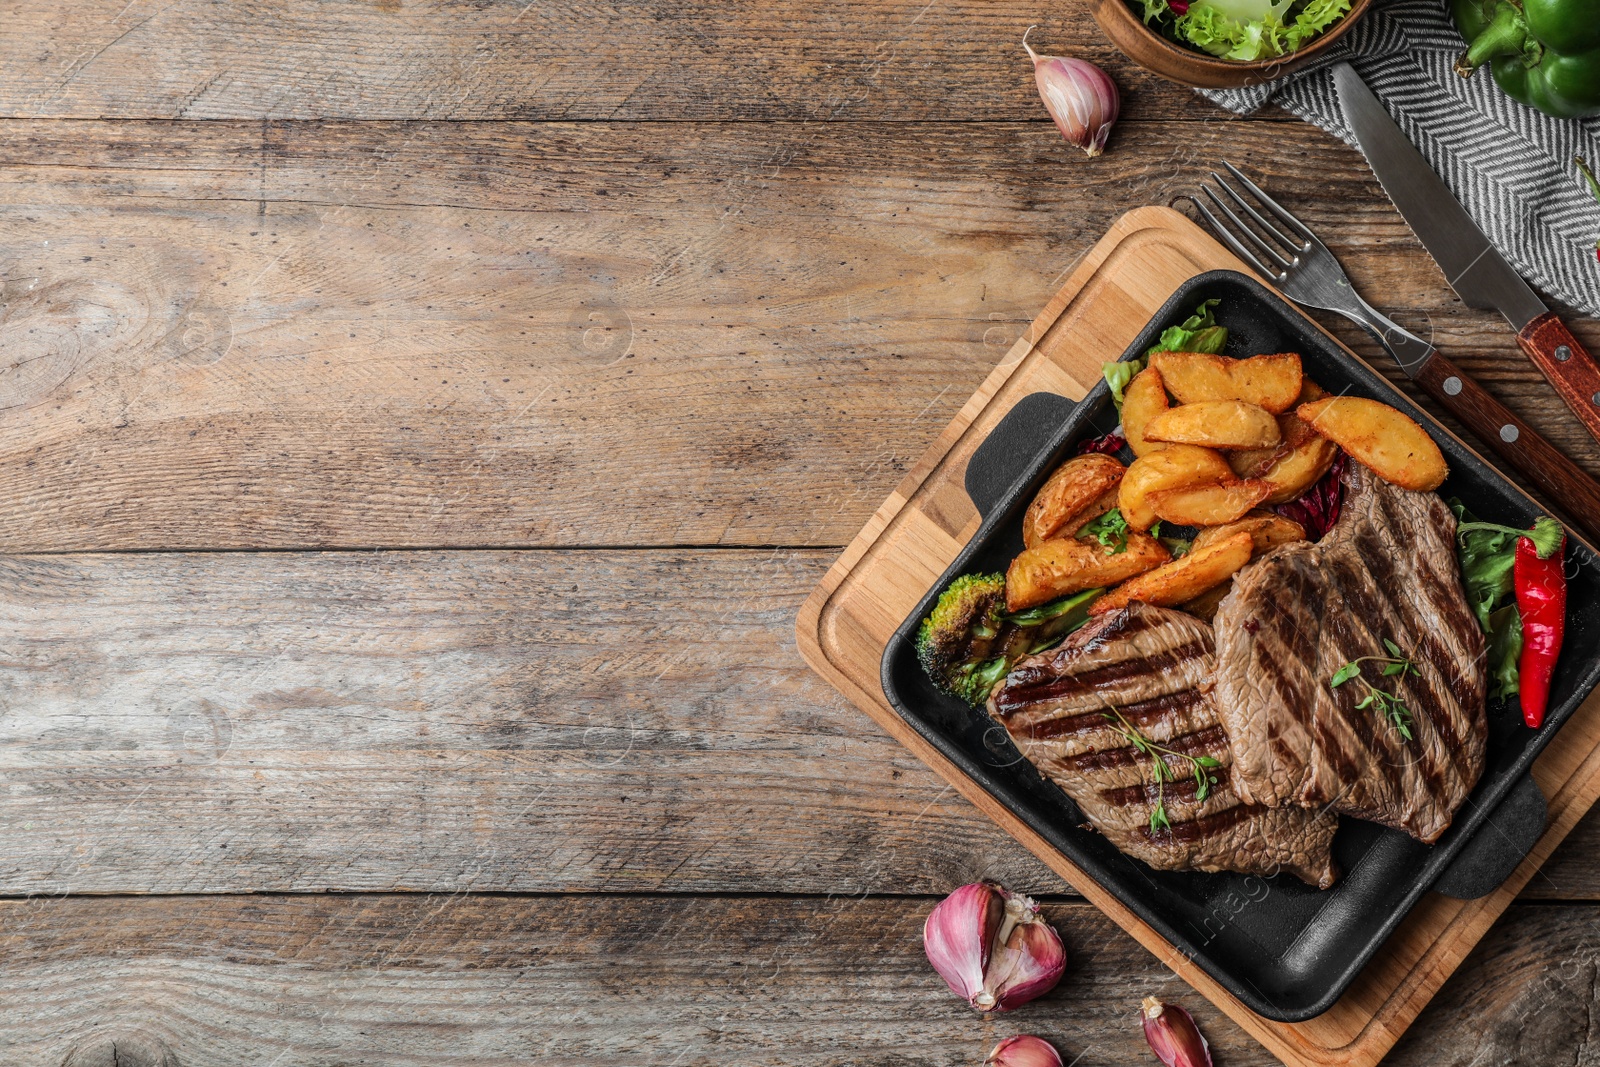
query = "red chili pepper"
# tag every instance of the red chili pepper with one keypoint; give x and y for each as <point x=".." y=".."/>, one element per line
<point x="1541" y="588"/>
<point x="1541" y="585"/>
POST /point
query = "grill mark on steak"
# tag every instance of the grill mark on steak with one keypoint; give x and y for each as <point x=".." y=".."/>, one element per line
<point x="1151" y="666"/>
<point x="1028" y="691"/>
<point x="1195" y="744"/>
<point x="1197" y="829"/>
<point x="1388" y="569"/>
<point x="1140" y="713"/>
<point x="1184" y="788"/>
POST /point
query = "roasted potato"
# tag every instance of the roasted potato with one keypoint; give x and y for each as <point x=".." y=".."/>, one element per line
<point x="1173" y="467"/>
<point x="1208" y="505"/>
<point x="1216" y="424"/>
<point x="1183" y="579"/>
<point x="1299" y="459"/>
<point x="1270" y="382"/>
<point x="1205" y="605"/>
<point x="1102" y="504"/>
<point x="1269" y="530"/>
<point x="1381" y="437"/>
<point x="1075" y="486"/>
<point x="1065" y="565"/>
<point x="1143" y="399"/>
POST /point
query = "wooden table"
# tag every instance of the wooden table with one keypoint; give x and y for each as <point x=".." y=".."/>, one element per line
<point x="419" y="425"/>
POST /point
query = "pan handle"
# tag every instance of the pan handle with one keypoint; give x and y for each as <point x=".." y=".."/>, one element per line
<point x="1500" y="845"/>
<point x="1012" y="446"/>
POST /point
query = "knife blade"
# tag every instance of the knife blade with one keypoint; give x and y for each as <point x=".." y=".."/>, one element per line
<point x="1477" y="272"/>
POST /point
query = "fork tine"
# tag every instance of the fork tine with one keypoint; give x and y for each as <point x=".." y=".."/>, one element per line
<point x="1270" y="204"/>
<point x="1295" y="247"/>
<point x="1230" y="240"/>
<point x="1246" y="232"/>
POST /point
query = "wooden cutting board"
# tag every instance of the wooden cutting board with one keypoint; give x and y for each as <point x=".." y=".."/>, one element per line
<point x="914" y="535"/>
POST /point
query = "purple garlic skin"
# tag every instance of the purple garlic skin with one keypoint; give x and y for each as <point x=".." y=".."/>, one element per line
<point x="1081" y="98"/>
<point x="1173" y="1036"/>
<point x="1024" y="1050"/>
<point x="991" y="947"/>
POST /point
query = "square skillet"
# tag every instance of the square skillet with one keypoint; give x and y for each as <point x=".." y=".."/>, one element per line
<point x="1286" y="950"/>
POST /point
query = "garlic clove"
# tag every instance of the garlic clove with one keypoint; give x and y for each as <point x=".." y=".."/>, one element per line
<point x="1024" y="1050"/>
<point x="991" y="947"/>
<point x="1028" y="965"/>
<point x="1081" y="98"/>
<point x="1173" y="1036"/>
<point x="958" y="936"/>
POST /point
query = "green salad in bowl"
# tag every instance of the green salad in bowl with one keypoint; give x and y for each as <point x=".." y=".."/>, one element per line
<point x="1244" y="30"/>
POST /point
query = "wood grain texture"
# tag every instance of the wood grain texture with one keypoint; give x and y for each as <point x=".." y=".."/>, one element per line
<point x="903" y="60"/>
<point x="226" y="335"/>
<point x="291" y="981"/>
<point x="1522" y="450"/>
<point x="449" y="721"/>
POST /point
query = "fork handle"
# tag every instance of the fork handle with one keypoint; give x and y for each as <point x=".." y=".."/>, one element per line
<point x="1562" y="480"/>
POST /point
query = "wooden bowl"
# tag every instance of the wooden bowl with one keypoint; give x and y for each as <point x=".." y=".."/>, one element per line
<point x="1185" y="66"/>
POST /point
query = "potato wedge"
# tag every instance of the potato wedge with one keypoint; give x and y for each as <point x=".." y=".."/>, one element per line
<point x="1255" y="462"/>
<point x="1209" y="505"/>
<point x="1102" y="504"/>
<point x="1269" y="530"/>
<point x="1272" y="382"/>
<point x="1143" y="399"/>
<point x="1381" y="437"/>
<point x="1075" y="485"/>
<point x="1294" y="466"/>
<point x="1205" y="605"/>
<point x="1183" y="579"/>
<point x="1062" y="565"/>
<point x="1298" y="470"/>
<point x="1171" y="468"/>
<point x="1216" y="424"/>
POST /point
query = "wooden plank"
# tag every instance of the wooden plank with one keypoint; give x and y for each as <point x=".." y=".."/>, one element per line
<point x="514" y="59"/>
<point x="286" y="981"/>
<point x="529" y="721"/>
<point x="226" y="335"/>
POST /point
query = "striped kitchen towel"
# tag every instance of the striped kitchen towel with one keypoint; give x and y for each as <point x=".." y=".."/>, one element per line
<point x="1510" y="166"/>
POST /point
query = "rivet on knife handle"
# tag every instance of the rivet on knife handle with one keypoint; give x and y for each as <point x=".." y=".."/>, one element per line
<point x="1564" y="482"/>
<point x="1567" y="364"/>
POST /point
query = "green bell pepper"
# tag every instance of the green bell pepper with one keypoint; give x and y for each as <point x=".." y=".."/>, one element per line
<point x="1545" y="53"/>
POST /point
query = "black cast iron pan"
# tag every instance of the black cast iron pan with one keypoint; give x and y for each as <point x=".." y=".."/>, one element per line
<point x="1283" y="948"/>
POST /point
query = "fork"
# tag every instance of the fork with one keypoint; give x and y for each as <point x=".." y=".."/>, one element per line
<point x="1300" y="266"/>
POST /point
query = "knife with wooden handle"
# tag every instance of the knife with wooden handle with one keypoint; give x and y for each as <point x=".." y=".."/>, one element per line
<point x="1477" y="272"/>
<point x="1567" y="485"/>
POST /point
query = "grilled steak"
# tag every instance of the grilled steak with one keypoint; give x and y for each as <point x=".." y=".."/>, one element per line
<point x="1138" y="675"/>
<point x="1387" y="569"/>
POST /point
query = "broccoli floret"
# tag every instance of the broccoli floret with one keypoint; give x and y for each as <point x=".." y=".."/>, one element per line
<point x="956" y="644"/>
<point x="969" y="643"/>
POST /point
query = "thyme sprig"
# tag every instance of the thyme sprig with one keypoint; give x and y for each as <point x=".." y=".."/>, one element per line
<point x="1396" y="663"/>
<point x="1200" y="766"/>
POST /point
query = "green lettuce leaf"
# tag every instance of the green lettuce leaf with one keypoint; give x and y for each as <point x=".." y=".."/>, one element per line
<point x="1118" y="375"/>
<point x="1248" y="30"/>
<point x="1486" y="561"/>
<point x="1197" y="333"/>
<point x="1505" y="651"/>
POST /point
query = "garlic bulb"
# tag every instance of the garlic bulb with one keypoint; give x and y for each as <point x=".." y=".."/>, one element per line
<point x="1024" y="1050"/>
<point x="1173" y="1036"/>
<point x="1080" y="96"/>
<point x="991" y="947"/>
